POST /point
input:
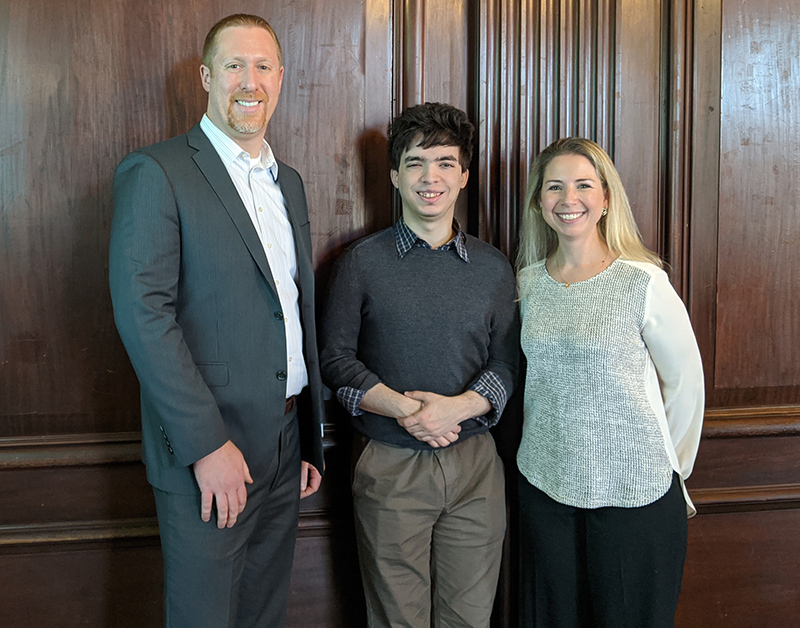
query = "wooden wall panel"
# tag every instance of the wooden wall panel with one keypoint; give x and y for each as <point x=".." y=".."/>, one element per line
<point x="743" y="559"/>
<point x="695" y="100"/>
<point x="61" y="368"/>
<point x="110" y="584"/>
<point x="327" y="119"/>
<point x="555" y="68"/>
<point x="744" y="309"/>
<point x="639" y="115"/>
<point x="84" y="82"/>
<point x="724" y="239"/>
<point x="759" y="227"/>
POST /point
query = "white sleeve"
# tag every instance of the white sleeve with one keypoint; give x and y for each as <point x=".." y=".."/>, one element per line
<point x="668" y="334"/>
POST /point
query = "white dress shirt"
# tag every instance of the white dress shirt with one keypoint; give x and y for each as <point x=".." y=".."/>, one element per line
<point x="256" y="182"/>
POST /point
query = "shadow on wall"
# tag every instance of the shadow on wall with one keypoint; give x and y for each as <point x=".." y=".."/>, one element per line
<point x="185" y="100"/>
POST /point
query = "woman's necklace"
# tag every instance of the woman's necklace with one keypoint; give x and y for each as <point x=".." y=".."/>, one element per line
<point x="561" y="272"/>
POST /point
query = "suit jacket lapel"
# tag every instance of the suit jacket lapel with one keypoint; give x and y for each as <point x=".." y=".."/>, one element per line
<point x="218" y="178"/>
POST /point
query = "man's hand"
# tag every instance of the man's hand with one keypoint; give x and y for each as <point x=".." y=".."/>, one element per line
<point x="441" y="441"/>
<point x="437" y="422"/>
<point x="382" y="400"/>
<point x="221" y="476"/>
<point x="310" y="479"/>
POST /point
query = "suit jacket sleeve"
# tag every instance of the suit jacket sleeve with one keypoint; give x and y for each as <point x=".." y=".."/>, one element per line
<point x="144" y="274"/>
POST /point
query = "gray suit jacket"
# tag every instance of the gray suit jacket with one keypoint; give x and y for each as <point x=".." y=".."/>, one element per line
<point x="197" y="310"/>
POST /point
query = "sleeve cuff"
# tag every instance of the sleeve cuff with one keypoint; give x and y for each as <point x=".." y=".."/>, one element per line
<point x="351" y="398"/>
<point x="491" y="386"/>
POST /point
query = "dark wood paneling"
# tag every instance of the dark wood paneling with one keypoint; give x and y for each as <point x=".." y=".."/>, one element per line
<point x="741" y="571"/>
<point x="743" y="254"/>
<point x="638" y="116"/>
<point x="759" y="257"/>
<point x="83" y="82"/>
<point x="754" y="461"/>
<point x="555" y="68"/>
<point x="115" y="585"/>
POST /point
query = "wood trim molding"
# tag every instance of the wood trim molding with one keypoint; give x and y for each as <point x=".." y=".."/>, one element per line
<point x="745" y="498"/>
<point x="547" y="69"/>
<point x="752" y="422"/>
<point x="311" y="524"/>
<point x="504" y="89"/>
<point x="409" y="57"/>
<point x="77" y="531"/>
<point x="77" y="450"/>
<point x="315" y="523"/>
<point x="703" y="189"/>
<point x="677" y="131"/>
<point x="70" y="450"/>
<point x="486" y="115"/>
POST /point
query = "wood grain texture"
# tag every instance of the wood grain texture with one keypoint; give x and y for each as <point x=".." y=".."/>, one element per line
<point x="704" y="159"/>
<point x="744" y="162"/>
<point x="759" y="253"/>
<point x="112" y="585"/>
<point x="695" y="99"/>
<point x="746" y="461"/>
<point x="547" y="69"/>
<point x="741" y="571"/>
<point x="638" y="112"/>
<point x="676" y="158"/>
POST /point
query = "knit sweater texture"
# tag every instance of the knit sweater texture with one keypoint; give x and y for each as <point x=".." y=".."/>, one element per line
<point x="428" y="321"/>
<point x="614" y="387"/>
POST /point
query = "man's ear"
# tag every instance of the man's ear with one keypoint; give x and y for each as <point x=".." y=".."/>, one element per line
<point x="395" y="177"/>
<point x="205" y="77"/>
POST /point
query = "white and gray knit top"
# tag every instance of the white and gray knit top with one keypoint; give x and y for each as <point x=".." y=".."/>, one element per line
<point x="614" y="389"/>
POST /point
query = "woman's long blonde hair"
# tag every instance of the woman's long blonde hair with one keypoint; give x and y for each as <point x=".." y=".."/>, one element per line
<point x="617" y="228"/>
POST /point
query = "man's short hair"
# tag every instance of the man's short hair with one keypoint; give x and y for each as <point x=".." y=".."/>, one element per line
<point x="237" y="19"/>
<point x="431" y="124"/>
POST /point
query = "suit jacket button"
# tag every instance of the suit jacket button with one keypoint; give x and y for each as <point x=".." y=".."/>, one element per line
<point x="281" y="375"/>
<point x="279" y="315"/>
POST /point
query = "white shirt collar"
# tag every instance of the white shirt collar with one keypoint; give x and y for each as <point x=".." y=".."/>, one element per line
<point x="229" y="151"/>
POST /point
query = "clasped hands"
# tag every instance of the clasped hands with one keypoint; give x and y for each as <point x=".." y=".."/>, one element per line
<point x="437" y="419"/>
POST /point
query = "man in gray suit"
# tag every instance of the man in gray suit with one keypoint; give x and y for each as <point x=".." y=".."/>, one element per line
<point x="212" y="285"/>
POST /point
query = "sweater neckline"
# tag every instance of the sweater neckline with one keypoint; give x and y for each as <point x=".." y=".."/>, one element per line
<point x="577" y="283"/>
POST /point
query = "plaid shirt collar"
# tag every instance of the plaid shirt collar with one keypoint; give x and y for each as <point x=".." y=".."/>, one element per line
<point x="405" y="239"/>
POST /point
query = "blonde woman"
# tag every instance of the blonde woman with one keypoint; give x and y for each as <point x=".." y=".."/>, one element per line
<point x="613" y="404"/>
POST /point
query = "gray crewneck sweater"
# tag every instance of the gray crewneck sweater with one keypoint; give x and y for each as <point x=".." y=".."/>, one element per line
<point x="427" y="321"/>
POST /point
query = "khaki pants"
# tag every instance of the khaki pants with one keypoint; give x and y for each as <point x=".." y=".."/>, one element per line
<point x="430" y="527"/>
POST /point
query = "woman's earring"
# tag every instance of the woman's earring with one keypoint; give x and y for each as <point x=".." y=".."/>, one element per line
<point x="605" y="211"/>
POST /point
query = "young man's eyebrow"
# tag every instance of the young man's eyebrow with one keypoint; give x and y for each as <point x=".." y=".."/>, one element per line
<point x="410" y="158"/>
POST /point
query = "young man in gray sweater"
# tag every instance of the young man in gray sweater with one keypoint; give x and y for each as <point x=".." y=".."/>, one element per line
<point x="421" y="344"/>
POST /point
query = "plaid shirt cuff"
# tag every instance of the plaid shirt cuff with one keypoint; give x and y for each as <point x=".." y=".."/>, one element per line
<point x="351" y="398"/>
<point x="491" y="386"/>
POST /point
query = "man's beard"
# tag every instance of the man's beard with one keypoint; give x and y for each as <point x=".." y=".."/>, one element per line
<point x="248" y="124"/>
